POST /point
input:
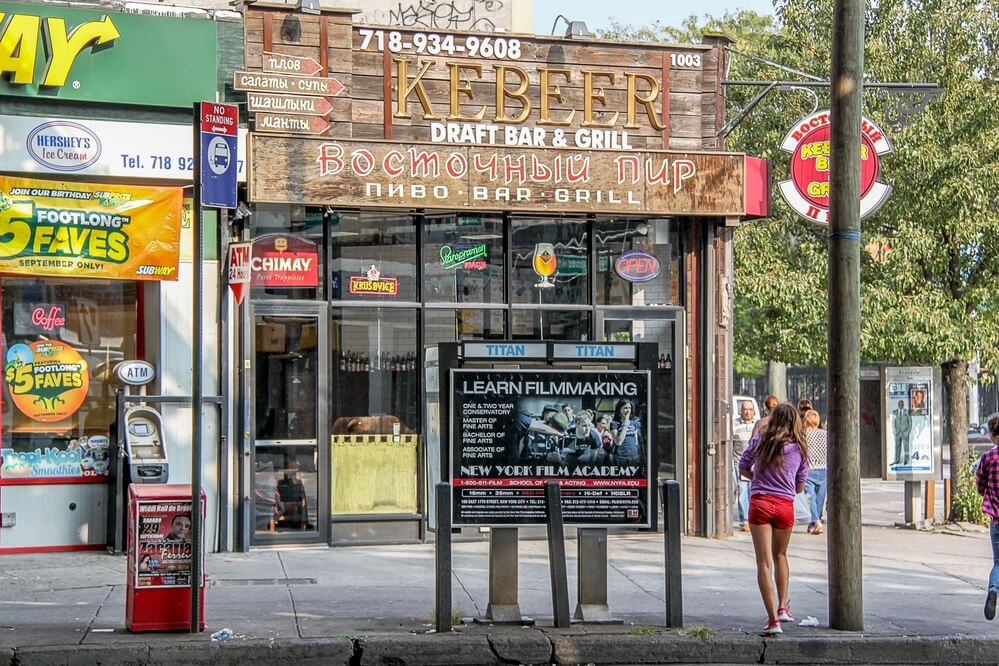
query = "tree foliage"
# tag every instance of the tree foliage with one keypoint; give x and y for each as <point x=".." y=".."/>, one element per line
<point x="931" y="254"/>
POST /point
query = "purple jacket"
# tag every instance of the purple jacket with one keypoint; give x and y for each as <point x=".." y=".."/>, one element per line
<point x="776" y="480"/>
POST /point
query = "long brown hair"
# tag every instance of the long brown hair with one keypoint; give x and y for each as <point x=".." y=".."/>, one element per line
<point x="783" y="427"/>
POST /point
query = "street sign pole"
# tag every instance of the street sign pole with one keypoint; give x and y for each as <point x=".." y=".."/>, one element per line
<point x="216" y="128"/>
<point x="846" y="567"/>
<point x="197" y="542"/>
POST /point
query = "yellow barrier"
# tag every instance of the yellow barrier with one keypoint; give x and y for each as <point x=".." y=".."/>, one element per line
<point x="374" y="474"/>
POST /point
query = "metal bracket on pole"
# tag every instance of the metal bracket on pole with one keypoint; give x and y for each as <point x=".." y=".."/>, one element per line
<point x="556" y="554"/>
<point x="591" y="577"/>
<point x="671" y="531"/>
<point x="503" y="606"/>
<point x="442" y="559"/>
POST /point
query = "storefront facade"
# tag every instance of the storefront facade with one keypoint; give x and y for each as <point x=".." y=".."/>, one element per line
<point x="95" y="258"/>
<point x="411" y="188"/>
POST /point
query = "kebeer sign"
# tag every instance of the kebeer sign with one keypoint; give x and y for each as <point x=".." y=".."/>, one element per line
<point x="807" y="189"/>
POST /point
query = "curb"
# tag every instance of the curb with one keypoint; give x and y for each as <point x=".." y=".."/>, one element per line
<point x="526" y="646"/>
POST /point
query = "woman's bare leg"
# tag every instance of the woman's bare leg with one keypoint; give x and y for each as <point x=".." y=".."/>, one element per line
<point x="781" y="539"/>
<point x="762" y="544"/>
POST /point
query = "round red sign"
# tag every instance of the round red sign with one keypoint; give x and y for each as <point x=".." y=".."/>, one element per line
<point x="807" y="190"/>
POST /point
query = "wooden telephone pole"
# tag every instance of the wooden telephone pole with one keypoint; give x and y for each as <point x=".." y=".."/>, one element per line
<point x="846" y="594"/>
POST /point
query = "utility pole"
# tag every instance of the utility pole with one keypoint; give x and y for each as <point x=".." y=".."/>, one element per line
<point x="846" y="593"/>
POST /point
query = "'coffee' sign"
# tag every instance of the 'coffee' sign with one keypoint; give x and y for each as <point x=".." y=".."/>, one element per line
<point x="807" y="190"/>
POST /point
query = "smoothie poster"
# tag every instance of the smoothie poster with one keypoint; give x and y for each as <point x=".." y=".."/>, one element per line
<point x="163" y="552"/>
<point x="514" y="430"/>
<point x="110" y="232"/>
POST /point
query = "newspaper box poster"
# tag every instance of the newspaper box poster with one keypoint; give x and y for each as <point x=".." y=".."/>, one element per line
<point x="515" y="430"/>
<point x="163" y="553"/>
<point x="909" y="445"/>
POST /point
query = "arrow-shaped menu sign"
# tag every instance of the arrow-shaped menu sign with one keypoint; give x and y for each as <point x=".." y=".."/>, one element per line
<point x="277" y="122"/>
<point x="279" y="63"/>
<point x="307" y="106"/>
<point x="281" y="83"/>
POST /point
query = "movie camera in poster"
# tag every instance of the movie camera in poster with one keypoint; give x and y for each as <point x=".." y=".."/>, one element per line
<point x="515" y="430"/>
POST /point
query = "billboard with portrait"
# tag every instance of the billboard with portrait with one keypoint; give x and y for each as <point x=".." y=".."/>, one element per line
<point x="911" y="439"/>
<point x="514" y="430"/>
<point x="163" y="553"/>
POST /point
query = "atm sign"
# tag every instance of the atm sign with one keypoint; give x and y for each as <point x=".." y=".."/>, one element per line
<point x="637" y="266"/>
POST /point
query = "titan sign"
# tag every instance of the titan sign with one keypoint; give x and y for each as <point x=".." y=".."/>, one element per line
<point x="807" y="190"/>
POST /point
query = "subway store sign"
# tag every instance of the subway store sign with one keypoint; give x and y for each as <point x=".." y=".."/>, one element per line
<point x="87" y="54"/>
<point x="95" y="231"/>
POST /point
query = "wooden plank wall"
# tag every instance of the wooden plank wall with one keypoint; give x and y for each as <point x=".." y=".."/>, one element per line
<point x="360" y="111"/>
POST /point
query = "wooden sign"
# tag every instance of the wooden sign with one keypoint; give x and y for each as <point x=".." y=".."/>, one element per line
<point x="380" y="173"/>
<point x="280" y="63"/>
<point x="294" y="104"/>
<point x="288" y="124"/>
<point x="281" y="83"/>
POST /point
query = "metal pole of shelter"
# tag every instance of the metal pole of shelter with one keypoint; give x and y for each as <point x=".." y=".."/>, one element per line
<point x="196" y="382"/>
<point x="846" y="601"/>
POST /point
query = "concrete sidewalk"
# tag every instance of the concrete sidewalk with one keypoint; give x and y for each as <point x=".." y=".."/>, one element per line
<point x="923" y="604"/>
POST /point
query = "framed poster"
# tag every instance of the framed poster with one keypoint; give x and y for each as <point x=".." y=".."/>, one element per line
<point x="163" y="552"/>
<point x="911" y="424"/>
<point x="512" y="431"/>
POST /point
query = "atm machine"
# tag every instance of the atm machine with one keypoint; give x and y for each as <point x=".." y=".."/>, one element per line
<point x="139" y="452"/>
<point x="144" y="448"/>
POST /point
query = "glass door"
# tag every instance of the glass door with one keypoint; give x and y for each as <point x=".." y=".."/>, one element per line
<point x="288" y="420"/>
<point x="665" y="328"/>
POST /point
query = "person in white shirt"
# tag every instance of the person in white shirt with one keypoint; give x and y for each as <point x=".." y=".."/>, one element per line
<point x="742" y="432"/>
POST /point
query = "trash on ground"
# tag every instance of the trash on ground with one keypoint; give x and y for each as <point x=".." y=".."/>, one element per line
<point x="222" y="634"/>
<point x="101" y="631"/>
<point x="809" y="621"/>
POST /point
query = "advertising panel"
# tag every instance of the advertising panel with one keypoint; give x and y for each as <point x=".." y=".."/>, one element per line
<point x="163" y="555"/>
<point x="104" y="148"/>
<point x="281" y="261"/>
<point x="514" y="430"/>
<point x="91" y="54"/>
<point x="116" y="232"/>
<point x="910" y="442"/>
<point x="47" y="379"/>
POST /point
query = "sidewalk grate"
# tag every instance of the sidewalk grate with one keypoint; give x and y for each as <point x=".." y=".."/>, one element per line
<point x="238" y="582"/>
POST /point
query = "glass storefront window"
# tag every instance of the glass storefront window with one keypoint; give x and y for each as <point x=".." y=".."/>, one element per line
<point x="374" y="256"/>
<point x="288" y="257"/>
<point x="550" y="325"/>
<point x="375" y="410"/>
<point x="645" y="250"/>
<point x="463" y="258"/>
<point x="462" y="324"/>
<point x="61" y="339"/>
<point x="550" y="259"/>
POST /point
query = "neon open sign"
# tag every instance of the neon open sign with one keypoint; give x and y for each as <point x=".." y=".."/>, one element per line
<point x="637" y="266"/>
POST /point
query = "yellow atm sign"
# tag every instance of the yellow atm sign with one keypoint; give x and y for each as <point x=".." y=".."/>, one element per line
<point x="95" y="55"/>
<point x="20" y="39"/>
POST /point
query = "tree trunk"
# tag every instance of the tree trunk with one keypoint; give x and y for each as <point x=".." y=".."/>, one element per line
<point x="777" y="379"/>
<point x="955" y="377"/>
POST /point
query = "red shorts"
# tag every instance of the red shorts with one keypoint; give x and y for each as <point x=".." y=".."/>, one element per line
<point x="771" y="510"/>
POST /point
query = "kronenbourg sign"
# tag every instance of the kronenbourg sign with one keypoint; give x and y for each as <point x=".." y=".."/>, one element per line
<point x="807" y="190"/>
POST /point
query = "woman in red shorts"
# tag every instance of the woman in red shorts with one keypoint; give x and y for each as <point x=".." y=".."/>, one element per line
<point x="776" y="461"/>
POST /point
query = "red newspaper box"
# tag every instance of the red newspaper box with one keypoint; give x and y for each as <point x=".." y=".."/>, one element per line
<point x="158" y="594"/>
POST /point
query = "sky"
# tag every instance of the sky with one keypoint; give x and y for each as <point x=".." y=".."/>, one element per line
<point x="597" y="14"/>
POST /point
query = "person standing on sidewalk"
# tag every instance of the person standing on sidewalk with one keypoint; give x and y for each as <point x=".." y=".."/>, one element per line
<point x="816" y="484"/>
<point x="987" y="478"/>
<point x="777" y="463"/>
<point x="742" y="431"/>
<point x="769" y="405"/>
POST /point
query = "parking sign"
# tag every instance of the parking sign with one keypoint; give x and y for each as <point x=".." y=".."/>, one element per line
<point x="219" y="134"/>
